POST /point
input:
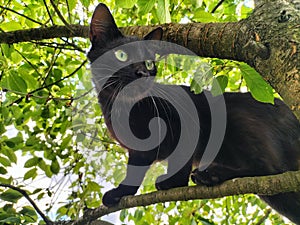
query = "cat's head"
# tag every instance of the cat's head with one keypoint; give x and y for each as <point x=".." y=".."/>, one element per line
<point x="124" y="58"/>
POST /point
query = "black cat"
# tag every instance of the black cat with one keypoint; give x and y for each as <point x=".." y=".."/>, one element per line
<point x="260" y="139"/>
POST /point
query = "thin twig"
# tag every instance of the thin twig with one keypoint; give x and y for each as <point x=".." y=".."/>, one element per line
<point x="49" y="85"/>
<point x="73" y="45"/>
<point x="49" y="14"/>
<point x="33" y="66"/>
<point x="53" y="60"/>
<point x="262" y="220"/>
<point x="24" y="193"/>
<point x="217" y="6"/>
<point x="59" y="45"/>
<point x="8" y="9"/>
<point x="49" y="98"/>
<point x="61" y="16"/>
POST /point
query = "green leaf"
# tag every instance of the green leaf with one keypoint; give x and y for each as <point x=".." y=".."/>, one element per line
<point x="15" y="57"/>
<point x="10" y="154"/>
<point x="28" y="211"/>
<point x="85" y="3"/>
<point x="2" y="128"/>
<point x="11" y="26"/>
<point x="6" y="180"/>
<point x="72" y="4"/>
<point x="55" y="167"/>
<point x="16" y="82"/>
<point x="45" y="168"/>
<point x="125" y="3"/>
<point x="3" y="170"/>
<point x="7" y="49"/>
<point x="219" y="84"/>
<point x="196" y="3"/>
<point x="93" y="186"/>
<point x="31" y="174"/>
<point x="201" y="16"/>
<point x="11" y="220"/>
<point x="163" y="12"/>
<point x="32" y="162"/>
<point x="11" y="196"/>
<point x="66" y="141"/>
<point x="123" y="215"/>
<point x="145" y="6"/>
<point x="259" y="88"/>
<point x="5" y="162"/>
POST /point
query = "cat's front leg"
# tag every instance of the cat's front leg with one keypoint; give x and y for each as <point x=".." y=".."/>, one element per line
<point x="177" y="176"/>
<point x="138" y="164"/>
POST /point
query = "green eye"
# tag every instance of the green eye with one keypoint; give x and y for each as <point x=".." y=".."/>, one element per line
<point x="149" y="64"/>
<point x="121" y="55"/>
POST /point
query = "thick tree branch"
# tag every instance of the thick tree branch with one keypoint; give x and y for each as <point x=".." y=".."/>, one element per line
<point x="37" y="34"/>
<point x="265" y="185"/>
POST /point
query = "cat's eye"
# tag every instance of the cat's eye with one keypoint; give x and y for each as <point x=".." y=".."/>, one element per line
<point x="149" y="64"/>
<point x="121" y="55"/>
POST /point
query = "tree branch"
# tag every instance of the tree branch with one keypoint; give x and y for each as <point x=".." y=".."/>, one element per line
<point x="48" y="85"/>
<point x="264" y="185"/>
<point x="61" y="16"/>
<point x="43" y="33"/>
<point x="11" y="10"/>
<point x="24" y="193"/>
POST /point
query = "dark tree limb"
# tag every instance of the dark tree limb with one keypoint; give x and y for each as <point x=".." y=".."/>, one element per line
<point x="25" y="194"/>
<point x="37" y="34"/>
<point x="265" y="185"/>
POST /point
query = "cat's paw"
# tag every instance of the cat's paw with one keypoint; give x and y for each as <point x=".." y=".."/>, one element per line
<point x="111" y="198"/>
<point x="206" y="177"/>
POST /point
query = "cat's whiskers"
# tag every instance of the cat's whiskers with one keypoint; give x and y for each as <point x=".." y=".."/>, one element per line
<point x="174" y="99"/>
<point x="159" y="126"/>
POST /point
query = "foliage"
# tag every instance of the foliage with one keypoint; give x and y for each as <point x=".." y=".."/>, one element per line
<point x="53" y="142"/>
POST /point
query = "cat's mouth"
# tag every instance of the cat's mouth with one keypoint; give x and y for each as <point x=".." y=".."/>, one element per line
<point x="136" y="90"/>
<point x="129" y="92"/>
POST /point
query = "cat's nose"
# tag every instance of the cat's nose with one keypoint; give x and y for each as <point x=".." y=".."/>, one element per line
<point x="142" y="73"/>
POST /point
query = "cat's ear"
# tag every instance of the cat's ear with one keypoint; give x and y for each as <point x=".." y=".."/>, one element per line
<point x="156" y="34"/>
<point x="103" y="27"/>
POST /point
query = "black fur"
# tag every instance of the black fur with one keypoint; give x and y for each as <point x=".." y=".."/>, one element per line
<point x="260" y="139"/>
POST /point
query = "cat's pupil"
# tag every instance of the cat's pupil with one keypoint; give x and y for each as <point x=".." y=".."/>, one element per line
<point x="121" y="55"/>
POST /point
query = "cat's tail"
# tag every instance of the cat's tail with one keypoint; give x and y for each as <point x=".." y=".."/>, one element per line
<point x="287" y="204"/>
